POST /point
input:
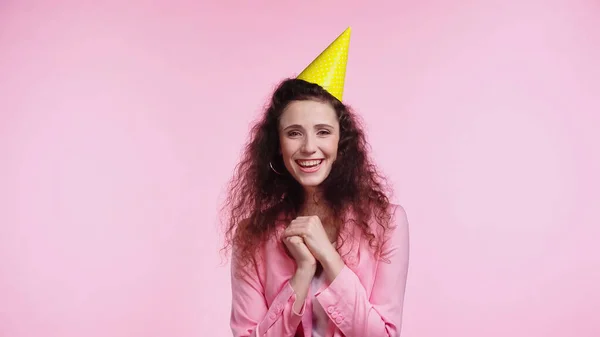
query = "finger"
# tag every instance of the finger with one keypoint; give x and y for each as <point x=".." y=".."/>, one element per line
<point x="314" y="220"/>
<point x="306" y="221"/>
<point x="298" y="221"/>
<point x="294" y="231"/>
<point x="294" y="239"/>
<point x="296" y="227"/>
<point x="307" y="218"/>
<point x="298" y="224"/>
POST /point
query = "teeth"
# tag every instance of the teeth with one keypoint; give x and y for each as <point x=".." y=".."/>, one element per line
<point x="308" y="163"/>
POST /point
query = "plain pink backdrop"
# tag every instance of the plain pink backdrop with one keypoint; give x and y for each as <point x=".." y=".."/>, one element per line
<point x="120" y="125"/>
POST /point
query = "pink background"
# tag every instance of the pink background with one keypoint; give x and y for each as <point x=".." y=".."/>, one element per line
<point x="121" y="123"/>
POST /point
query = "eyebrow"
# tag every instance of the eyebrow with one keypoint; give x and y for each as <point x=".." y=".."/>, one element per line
<point x="300" y="126"/>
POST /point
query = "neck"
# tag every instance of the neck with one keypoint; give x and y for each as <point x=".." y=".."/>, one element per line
<point x="313" y="201"/>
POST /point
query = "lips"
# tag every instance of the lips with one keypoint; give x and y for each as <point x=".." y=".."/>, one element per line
<point x="309" y="163"/>
<point x="309" y="166"/>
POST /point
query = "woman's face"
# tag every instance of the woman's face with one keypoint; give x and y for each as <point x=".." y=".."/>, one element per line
<point x="309" y="133"/>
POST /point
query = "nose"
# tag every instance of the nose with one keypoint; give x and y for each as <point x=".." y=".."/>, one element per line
<point x="309" y="145"/>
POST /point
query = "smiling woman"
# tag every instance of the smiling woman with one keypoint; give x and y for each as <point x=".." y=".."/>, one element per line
<point x="309" y="138"/>
<point x="318" y="249"/>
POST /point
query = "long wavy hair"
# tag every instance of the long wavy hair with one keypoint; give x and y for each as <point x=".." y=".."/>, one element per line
<point x="258" y="196"/>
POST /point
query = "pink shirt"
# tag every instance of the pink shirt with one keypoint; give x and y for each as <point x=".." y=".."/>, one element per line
<point x="365" y="299"/>
<point x="320" y="319"/>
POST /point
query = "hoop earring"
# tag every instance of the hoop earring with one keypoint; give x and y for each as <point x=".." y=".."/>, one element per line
<point x="273" y="169"/>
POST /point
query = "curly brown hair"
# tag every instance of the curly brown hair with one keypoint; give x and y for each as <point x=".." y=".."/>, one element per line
<point x="258" y="196"/>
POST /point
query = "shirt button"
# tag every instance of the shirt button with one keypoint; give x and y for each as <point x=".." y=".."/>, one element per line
<point x="330" y="309"/>
<point x="273" y="315"/>
<point x="339" y="319"/>
<point x="334" y="314"/>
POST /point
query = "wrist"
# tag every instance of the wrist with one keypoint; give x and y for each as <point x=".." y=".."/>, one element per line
<point x="331" y="259"/>
<point x="302" y="277"/>
<point x="306" y="269"/>
<point x="332" y="265"/>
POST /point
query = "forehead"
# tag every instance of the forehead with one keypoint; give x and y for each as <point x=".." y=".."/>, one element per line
<point x="308" y="113"/>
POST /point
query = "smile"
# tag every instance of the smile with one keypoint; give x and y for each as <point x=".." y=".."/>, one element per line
<point x="309" y="166"/>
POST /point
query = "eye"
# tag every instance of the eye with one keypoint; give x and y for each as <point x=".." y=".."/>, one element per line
<point x="323" y="132"/>
<point x="294" y="134"/>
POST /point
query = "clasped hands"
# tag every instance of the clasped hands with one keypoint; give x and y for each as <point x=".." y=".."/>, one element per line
<point x="307" y="242"/>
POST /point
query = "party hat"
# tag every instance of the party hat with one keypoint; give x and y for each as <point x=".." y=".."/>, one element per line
<point x="329" y="68"/>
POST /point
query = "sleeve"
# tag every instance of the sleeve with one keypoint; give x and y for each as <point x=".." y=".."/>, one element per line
<point x="345" y="299"/>
<point x="250" y="315"/>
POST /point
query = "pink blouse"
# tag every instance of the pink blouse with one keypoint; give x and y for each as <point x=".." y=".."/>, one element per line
<point x="365" y="299"/>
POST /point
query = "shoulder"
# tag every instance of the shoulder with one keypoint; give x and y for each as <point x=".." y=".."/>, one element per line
<point x="399" y="215"/>
<point x="385" y="223"/>
<point x="397" y="228"/>
<point x="395" y="238"/>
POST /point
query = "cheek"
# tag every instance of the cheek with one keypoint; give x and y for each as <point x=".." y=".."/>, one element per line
<point x="286" y="149"/>
<point x="332" y="149"/>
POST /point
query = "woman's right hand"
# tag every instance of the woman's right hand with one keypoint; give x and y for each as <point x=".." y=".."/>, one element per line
<point x="300" y="252"/>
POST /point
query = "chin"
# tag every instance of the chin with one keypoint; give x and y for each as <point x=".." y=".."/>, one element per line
<point x="311" y="184"/>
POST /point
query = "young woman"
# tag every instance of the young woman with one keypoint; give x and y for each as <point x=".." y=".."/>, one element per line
<point x="318" y="249"/>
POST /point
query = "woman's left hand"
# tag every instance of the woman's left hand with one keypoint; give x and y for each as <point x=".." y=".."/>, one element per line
<point x="310" y="229"/>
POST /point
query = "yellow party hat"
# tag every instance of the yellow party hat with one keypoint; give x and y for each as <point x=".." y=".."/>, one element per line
<point x="329" y="68"/>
